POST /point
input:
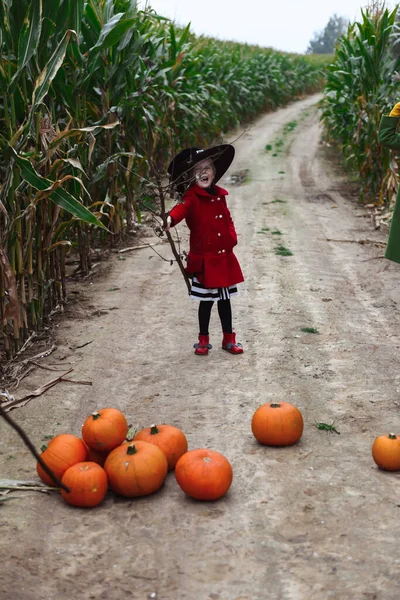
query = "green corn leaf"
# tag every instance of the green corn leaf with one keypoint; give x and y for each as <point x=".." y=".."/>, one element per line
<point x="184" y="37"/>
<point x="92" y="19"/>
<point x="75" y="9"/>
<point x="59" y="196"/>
<point x="49" y="72"/>
<point x="28" y="39"/>
<point x="43" y="83"/>
<point x="101" y="169"/>
<point x="126" y="38"/>
<point x="172" y="48"/>
<point x="113" y="31"/>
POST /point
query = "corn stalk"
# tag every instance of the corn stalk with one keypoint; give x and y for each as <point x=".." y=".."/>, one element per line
<point x="362" y="84"/>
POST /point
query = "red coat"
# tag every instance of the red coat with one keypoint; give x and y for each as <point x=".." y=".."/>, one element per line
<point x="212" y="237"/>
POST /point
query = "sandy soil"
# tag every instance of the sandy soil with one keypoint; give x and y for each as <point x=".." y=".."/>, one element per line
<point x="314" y="521"/>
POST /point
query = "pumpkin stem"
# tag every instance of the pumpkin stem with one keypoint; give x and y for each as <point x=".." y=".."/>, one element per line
<point x="154" y="430"/>
<point x="392" y="436"/>
<point x="96" y="415"/>
<point x="275" y="405"/>
<point x="131" y="449"/>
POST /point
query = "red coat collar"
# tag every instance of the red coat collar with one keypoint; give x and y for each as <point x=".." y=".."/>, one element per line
<point x="202" y="192"/>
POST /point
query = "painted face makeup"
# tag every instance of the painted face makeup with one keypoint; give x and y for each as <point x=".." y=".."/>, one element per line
<point x="204" y="173"/>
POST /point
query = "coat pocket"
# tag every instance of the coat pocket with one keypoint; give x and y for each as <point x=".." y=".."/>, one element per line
<point x="195" y="263"/>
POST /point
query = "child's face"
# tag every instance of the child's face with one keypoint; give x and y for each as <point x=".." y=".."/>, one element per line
<point x="204" y="173"/>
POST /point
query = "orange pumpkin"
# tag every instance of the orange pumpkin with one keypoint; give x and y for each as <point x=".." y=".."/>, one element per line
<point x="386" y="452"/>
<point x="136" y="469"/>
<point x="204" y="474"/>
<point x="96" y="456"/>
<point x="105" y="429"/>
<point x="277" y="424"/>
<point x="63" y="451"/>
<point x="171" y="440"/>
<point x="87" y="482"/>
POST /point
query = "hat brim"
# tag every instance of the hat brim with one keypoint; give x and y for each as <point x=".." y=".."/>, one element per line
<point x="180" y="167"/>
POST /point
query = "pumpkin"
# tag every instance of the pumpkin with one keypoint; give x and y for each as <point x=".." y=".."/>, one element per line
<point x="171" y="440"/>
<point x="105" y="429"/>
<point x="63" y="451"/>
<point x="204" y="474"/>
<point x="386" y="452"/>
<point x="277" y="424"/>
<point x="96" y="456"/>
<point x="136" y="469"/>
<point x="87" y="482"/>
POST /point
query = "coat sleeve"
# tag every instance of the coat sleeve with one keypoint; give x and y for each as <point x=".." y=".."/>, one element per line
<point x="179" y="211"/>
<point x="388" y="135"/>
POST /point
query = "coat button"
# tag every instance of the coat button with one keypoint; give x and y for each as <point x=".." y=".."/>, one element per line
<point x="212" y="199"/>
<point x="218" y="234"/>
<point x="219" y="251"/>
<point x="218" y="198"/>
<point x="220" y="216"/>
<point x="223" y="250"/>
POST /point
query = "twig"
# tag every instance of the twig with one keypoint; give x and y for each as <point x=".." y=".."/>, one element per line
<point x="163" y="216"/>
<point x="373" y="258"/>
<point x="32" y="449"/>
<point x="19" y="484"/>
<point x="81" y="345"/>
<point x="79" y="382"/>
<point x="135" y="248"/>
<point x="374" y="242"/>
<point x="46" y="367"/>
<point x="30" y="338"/>
<point x="19" y="379"/>
<point x="38" y="392"/>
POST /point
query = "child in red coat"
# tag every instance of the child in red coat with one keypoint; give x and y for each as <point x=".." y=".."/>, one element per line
<point x="211" y="262"/>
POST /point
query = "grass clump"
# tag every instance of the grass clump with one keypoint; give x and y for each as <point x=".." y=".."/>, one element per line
<point x="290" y="126"/>
<point x="282" y="251"/>
<point x="309" y="330"/>
<point x="326" y="427"/>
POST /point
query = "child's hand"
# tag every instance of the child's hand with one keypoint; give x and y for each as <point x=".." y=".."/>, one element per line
<point x="167" y="227"/>
<point x="395" y="110"/>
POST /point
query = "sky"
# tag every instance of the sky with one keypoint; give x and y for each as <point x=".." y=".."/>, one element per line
<point x="286" y="25"/>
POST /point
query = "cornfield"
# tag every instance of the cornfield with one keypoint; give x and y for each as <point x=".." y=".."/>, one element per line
<point x="362" y="84"/>
<point x="91" y="93"/>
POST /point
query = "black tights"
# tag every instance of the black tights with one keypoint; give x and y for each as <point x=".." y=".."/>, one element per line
<point x="224" y="311"/>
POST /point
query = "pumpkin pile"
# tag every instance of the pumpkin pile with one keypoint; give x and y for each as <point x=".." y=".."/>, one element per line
<point x="104" y="459"/>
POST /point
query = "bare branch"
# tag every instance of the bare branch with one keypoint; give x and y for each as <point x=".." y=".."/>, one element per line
<point x="32" y="449"/>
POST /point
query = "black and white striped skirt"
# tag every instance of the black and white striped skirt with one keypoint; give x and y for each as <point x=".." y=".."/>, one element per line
<point x="200" y="292"/>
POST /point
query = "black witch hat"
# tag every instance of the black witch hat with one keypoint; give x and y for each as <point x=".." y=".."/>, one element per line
<point x="179" y="169"/>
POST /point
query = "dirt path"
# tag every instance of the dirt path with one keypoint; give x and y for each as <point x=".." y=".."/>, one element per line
<point x="310" y="522"/>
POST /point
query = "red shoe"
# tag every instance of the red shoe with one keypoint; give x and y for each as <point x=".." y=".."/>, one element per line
<point x="229" y="344"/>
<point x="202" y="346"/>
